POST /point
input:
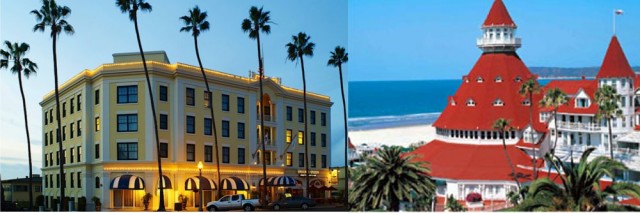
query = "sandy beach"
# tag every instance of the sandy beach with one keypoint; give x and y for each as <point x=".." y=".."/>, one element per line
<point x="400" y="136"/>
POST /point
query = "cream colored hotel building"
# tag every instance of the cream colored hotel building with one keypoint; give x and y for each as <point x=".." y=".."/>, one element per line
<point x="107" y="134"/>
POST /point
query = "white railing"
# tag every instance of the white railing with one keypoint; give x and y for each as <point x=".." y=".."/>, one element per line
<point x="498" y="42"/>
<point x="579" y="126"/>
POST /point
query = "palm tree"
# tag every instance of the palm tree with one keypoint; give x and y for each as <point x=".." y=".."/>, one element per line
<point x="389" y="178"/>
<point x="580" y="188"/>
<point x="299" y="47"/>
<point x="257" y="22"/>
<point x="54" y="16"/>
<point x="503" y="126"/>
<point x="607" y="99"/>
<point x="554" y="98"/>
<point x="453" y="205"/>
<point x="195" y="23"/>
<point x="528" y="88"/>
<point x="15" y="52"/>
<point x="131" y="7"/>
<point x="339" y="56"/>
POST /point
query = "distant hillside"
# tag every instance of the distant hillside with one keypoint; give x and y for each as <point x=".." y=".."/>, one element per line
<point x="560" y="72"/>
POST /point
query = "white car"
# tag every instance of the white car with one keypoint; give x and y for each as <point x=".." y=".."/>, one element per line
<point x="233" y="202"/>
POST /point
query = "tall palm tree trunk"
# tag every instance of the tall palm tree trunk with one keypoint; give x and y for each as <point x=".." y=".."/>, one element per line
<point x="155" y="120"/>
<point x="26" y="127"/>
<point x="610" y="138"/>
<point x="263" y="190"/>
<point x="535" y="173"/>
<point x="346" y="141"/>
<point x="555" y="142"/>
<point x="213" y="117"/>
<point x="513" y="170"/>
<point x="58" y="133"/>
<point x="306" y="146"/>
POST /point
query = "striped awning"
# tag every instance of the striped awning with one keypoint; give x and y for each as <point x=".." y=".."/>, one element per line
<point x="166" y="183"/>
<point x="279" y="181"/>
<point x="131" y="182"/>
<point x="193" y="183"/>
<point x="234" y="183"/>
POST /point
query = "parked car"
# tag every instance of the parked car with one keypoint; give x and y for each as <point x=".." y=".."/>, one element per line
<point x="233" y="202"/>
<point x="292" y="202"/>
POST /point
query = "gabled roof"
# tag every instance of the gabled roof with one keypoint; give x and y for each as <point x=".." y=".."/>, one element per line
<point x="573" y="88"/>
<point x="498" y="16"/>
<point x="615" y="63"/>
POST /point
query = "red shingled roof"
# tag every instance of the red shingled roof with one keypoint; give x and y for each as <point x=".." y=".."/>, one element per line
<point x="571" y="88"/>
<point x="615" y="63"/>
<point x="498" y="16"/>
<point x="507" y="66"/>
<point x="351" y="146"/>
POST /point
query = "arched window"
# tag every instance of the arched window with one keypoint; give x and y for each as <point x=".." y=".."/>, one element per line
<point x="97" y="182"/>
<point x="518" y="79"/>
<point x="498" y="102"/>
<point x="526" y="102"/>
<point x="498" y="79"/>
<point x="479" y="79"/>
<point x="470" y="102"/>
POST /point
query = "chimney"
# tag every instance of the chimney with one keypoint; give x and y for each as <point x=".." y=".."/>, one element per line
<point x="583" y="78"/>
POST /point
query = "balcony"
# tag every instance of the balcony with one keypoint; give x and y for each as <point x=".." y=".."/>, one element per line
<point x="628" y="156"/>
<point x="493" y="42"/>
<point x="578" y="126"/>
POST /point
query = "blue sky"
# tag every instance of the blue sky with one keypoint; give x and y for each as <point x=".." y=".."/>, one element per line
<point x="417" y="39"/>
<point x="102" y="30"/>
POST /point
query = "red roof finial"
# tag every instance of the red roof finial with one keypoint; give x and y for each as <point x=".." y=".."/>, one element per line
<point x="498" y="16"/>
<point x="615" y="63"/>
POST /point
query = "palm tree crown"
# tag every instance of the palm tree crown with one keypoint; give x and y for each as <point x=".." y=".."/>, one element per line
<point x="132" y="7"/>
<point x="300" y="46"/>
<point x="196" y="22"/>
<point x="258" y="21"/>
<point x="389" y="178"/>
<point x="15" y="52"/>
<point x="338" y="56"/>
<point x="53" y="15"/>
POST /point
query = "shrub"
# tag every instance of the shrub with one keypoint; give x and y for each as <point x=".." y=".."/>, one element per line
<point x="473" y="197"/>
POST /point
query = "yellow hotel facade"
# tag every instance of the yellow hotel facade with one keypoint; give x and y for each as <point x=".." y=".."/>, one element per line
<point x="110" y="149"/>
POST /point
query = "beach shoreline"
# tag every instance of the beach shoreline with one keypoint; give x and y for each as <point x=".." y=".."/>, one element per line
<point x="397" y="135"/>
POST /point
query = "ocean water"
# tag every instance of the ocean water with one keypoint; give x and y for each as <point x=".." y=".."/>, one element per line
<point x="383" y="104"/>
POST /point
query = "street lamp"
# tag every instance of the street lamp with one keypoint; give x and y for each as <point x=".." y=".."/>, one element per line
<point x="200" y="184"/>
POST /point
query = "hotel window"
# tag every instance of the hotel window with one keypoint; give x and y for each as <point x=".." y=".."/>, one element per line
<point x="191" y="152"/>
<point x="191" y="124"/>
<point x="323" y="119"/>
<point x="312" y="161"/>
<point x="58" y="180"/>
<point x="225" y="154"/>
<point x="267" y="157"/>
<point x="45" y="118"/>
<point x="79" y="129"/>
<point x="164" y="93"/>
<point x="289" y="113"/>
<point x="96" y="97"/>
<point x="71" y="131"/>
<point x="225" y="102"/>
<point x="240" y="130"/>
<point x="64" y="109"/>
<point x="164" y="150"/>
<point x="498" y="102"/>
<point x="240" y="105"/>
<point x="470" y="102"/>
<point x="46" y="160"/>
<point x="164" y="121"/>
<point x="623" y="101"/>
<point x="79" y="180"/>
<point x="323" y="140"/>
<point x="71" y="179"/>
<point x="51" y="159"/>
<point x="288" y="159"/>
<point x="46" y="139"/>
<point x="300" y="159"/>
<point x="225" y="129"/>
<point x="51" y="115"/>
<point x="64" y="133"/>
<point x="97" y="184"/>
<point x="313" y="117"/>
<point x="191" y="96"/>
<point x="526" y="102"/>
<point x="479" y="79"/>
<point x="208" y="153"/>
<point x="288" y="135"/>
<point x="300" y="115"/>
<point x="128" y="151"/>
<point x="79" y="153"/>
<point x="128" y="123"/>
<point x="97" y="124"/>
<point x="518" y="79"/>
<point x="240" y="155"/>
<point x="128" y="94"/>
<point x="313" y="138"/>
<point x="71" y="156"/>
<point x="323" y="161"/>
<point x="79" y="102"/>
<point x="46" y="181"/>
<point x="498" y="79"/>
<point x="581" y="103"/>
<point x="301" y="137"/>
<point x="207" y="99"/>
<point x="97" y="151"/>
<point x="207" y="126"/>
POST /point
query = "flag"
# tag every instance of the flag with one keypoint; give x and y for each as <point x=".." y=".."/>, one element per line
<point x="619" y="12"/>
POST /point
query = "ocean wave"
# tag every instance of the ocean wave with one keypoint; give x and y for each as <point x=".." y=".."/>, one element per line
<point x="377" y="122"/>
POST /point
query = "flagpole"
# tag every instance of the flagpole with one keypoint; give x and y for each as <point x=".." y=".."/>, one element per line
<point x="614" y="21"/>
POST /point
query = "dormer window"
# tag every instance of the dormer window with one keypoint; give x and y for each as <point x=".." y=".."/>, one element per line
<point x="526" y="102"/>
<point x="498" y="102"/>
<point x="479" y="79"/>
<point x="453" y="102"/>
<point x="582" y="103"/>
<point x="498" y="79"/>
<point x="518" y="79"/>
<point x="470" y="102"/>
<point x="465" y="79"/>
